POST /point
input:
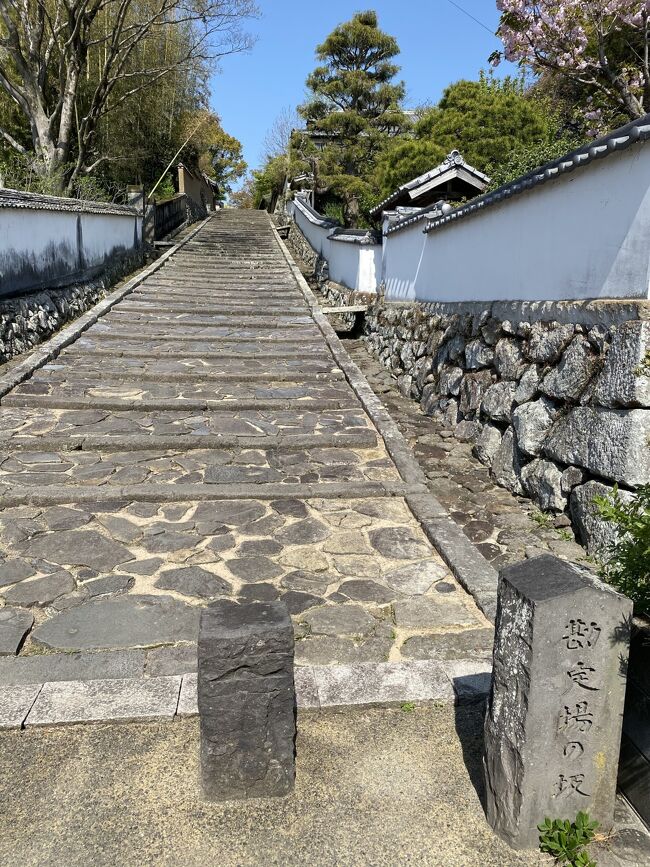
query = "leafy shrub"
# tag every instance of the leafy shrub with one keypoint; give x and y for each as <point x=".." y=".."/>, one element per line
<point x="528" y="157"/>
<point x="628" y="563"/>
<point x="566" y="841"/>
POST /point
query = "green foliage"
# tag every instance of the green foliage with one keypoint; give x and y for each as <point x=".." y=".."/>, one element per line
<point x="566" y="841"/>
<point x="268" y="182"/>
<point x="408" y="706"/>
<point x="405" y="159"/>
<point x="18" y="172"/>
<point x="542" y="519"/>
<point x="165" y="189"/>
<point x="353" y="89"/>
<point x="333" y="210"/>
<point x="628" y="562"/>
<point x="497" y="125"/>
<point x="528" y="157"/>
<point x="486" y="120"/>
<point x="354" y="106"/>
<point x="158" y="90"/>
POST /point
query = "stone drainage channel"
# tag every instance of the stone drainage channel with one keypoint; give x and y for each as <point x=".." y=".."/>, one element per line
<point x="202" y="434"/>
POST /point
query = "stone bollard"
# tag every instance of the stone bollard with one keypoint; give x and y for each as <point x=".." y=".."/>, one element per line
<point x="246" y="700"/>
<point x="553" y="723"/>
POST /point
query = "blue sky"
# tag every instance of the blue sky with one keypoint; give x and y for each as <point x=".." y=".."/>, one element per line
<point x="438" y="43"/>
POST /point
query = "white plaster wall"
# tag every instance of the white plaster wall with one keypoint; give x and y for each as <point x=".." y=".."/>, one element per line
<point x="44" y="244"/>
<point x="315" y="234"/>
<point x="583" y="235"/>
<point x="356" y="266"/>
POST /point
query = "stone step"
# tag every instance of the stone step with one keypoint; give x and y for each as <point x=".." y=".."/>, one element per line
<point x="172" y="323"/>
<point x="112" y="387"/>
<point x="179" y="466"/>
<point x="261" y="322"/>
<point x="249" y="368"/>
<point x="107" y="372"/>
<point x="365" y="438"/>
<point x="151" y="331"/>
<point x="246" y="303"/>
<point x="45" y="421"/>
<point x="170" y="404"/>
<point x="255" y="350"/>
<point x="171" y="493"/>
<point x="276" y="287"/>
<point x="227" y="306"/>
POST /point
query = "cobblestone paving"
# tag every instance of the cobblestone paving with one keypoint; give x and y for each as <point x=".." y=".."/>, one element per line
<point x="505" y="528"/>
<point x="200" y="442"/>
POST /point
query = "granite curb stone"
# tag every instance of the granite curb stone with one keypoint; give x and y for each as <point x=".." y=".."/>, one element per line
<point x="105" y="700"/>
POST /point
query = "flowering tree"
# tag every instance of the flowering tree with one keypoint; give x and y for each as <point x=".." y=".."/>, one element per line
<point x="600" y="45"/>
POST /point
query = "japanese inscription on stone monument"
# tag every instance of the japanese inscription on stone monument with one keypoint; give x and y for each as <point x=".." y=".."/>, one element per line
<point x="554" y="717"/>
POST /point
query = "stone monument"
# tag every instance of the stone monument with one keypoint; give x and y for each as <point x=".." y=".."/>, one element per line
<point x="246" y="699"/>
<point x="554" y="716"/>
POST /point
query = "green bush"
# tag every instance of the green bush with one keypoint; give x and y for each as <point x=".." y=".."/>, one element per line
<point x="566" y="841"/>
<point x="528" y="157"/>
<point x="628" y="563"/>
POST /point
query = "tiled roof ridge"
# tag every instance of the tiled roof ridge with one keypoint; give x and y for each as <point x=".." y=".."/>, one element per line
<point x="453" y="158"/>
<point x="39" y="202"/>
<point x="619" y="139"/>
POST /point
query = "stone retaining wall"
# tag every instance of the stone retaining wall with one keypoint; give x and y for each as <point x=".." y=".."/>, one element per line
<point x="555" y="396"/>
<point x="32" y="318"/>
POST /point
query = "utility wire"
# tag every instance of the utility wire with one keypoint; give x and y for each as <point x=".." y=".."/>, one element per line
<point x="469" y="15"/>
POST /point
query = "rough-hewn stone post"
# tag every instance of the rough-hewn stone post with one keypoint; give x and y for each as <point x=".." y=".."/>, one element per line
<point x="246" y="700"/>
<point x="149" y="225"/>
<point x="553" y="724"/>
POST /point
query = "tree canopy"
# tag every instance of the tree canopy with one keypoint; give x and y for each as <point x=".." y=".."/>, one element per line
<point x="601" y="47"/>
<point x="354" y="104"/>
<point x="486" y="120"/>
<point x="88" y="84"/>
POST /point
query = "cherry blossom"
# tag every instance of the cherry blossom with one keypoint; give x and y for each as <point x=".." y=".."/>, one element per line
<point x="571" y="38"/>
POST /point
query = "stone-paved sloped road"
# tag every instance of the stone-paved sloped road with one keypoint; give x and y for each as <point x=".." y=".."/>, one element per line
<point x="200" y="441"/>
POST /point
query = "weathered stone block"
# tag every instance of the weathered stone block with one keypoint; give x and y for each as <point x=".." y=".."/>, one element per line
<point x="506" y="464"/>
<point x="571" y="477"/>
<point x="246" y="700"/>
<point x="478" y="355"/>
<point x="487" y="444"/>
<point x="570" y="378"/>
<point x="546" y="343"/>
<point x="472" y="389"/>
<point x="553" y="725"/>
<point x="595" y="532"/>
<point x="611" y="443"/>
<point x="542" y="481"/>
<point x="532" y="421"/>
<point x="450" y="379"/>
<point x="498" y="401"/>
<point x="625" y="379"/>
<point x="509" y="359"/>
<point x="527" y="386"/>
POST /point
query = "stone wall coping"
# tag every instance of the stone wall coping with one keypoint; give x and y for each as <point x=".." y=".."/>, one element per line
<point x="313" y="216"/>
<point x="607" y="311"/>
<point x="39" y="202"/>
<point x="363" y="237"/>
<point x="638" y="131"/>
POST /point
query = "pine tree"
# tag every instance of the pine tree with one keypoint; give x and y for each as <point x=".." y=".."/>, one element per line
<point x="355" y="104"/>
